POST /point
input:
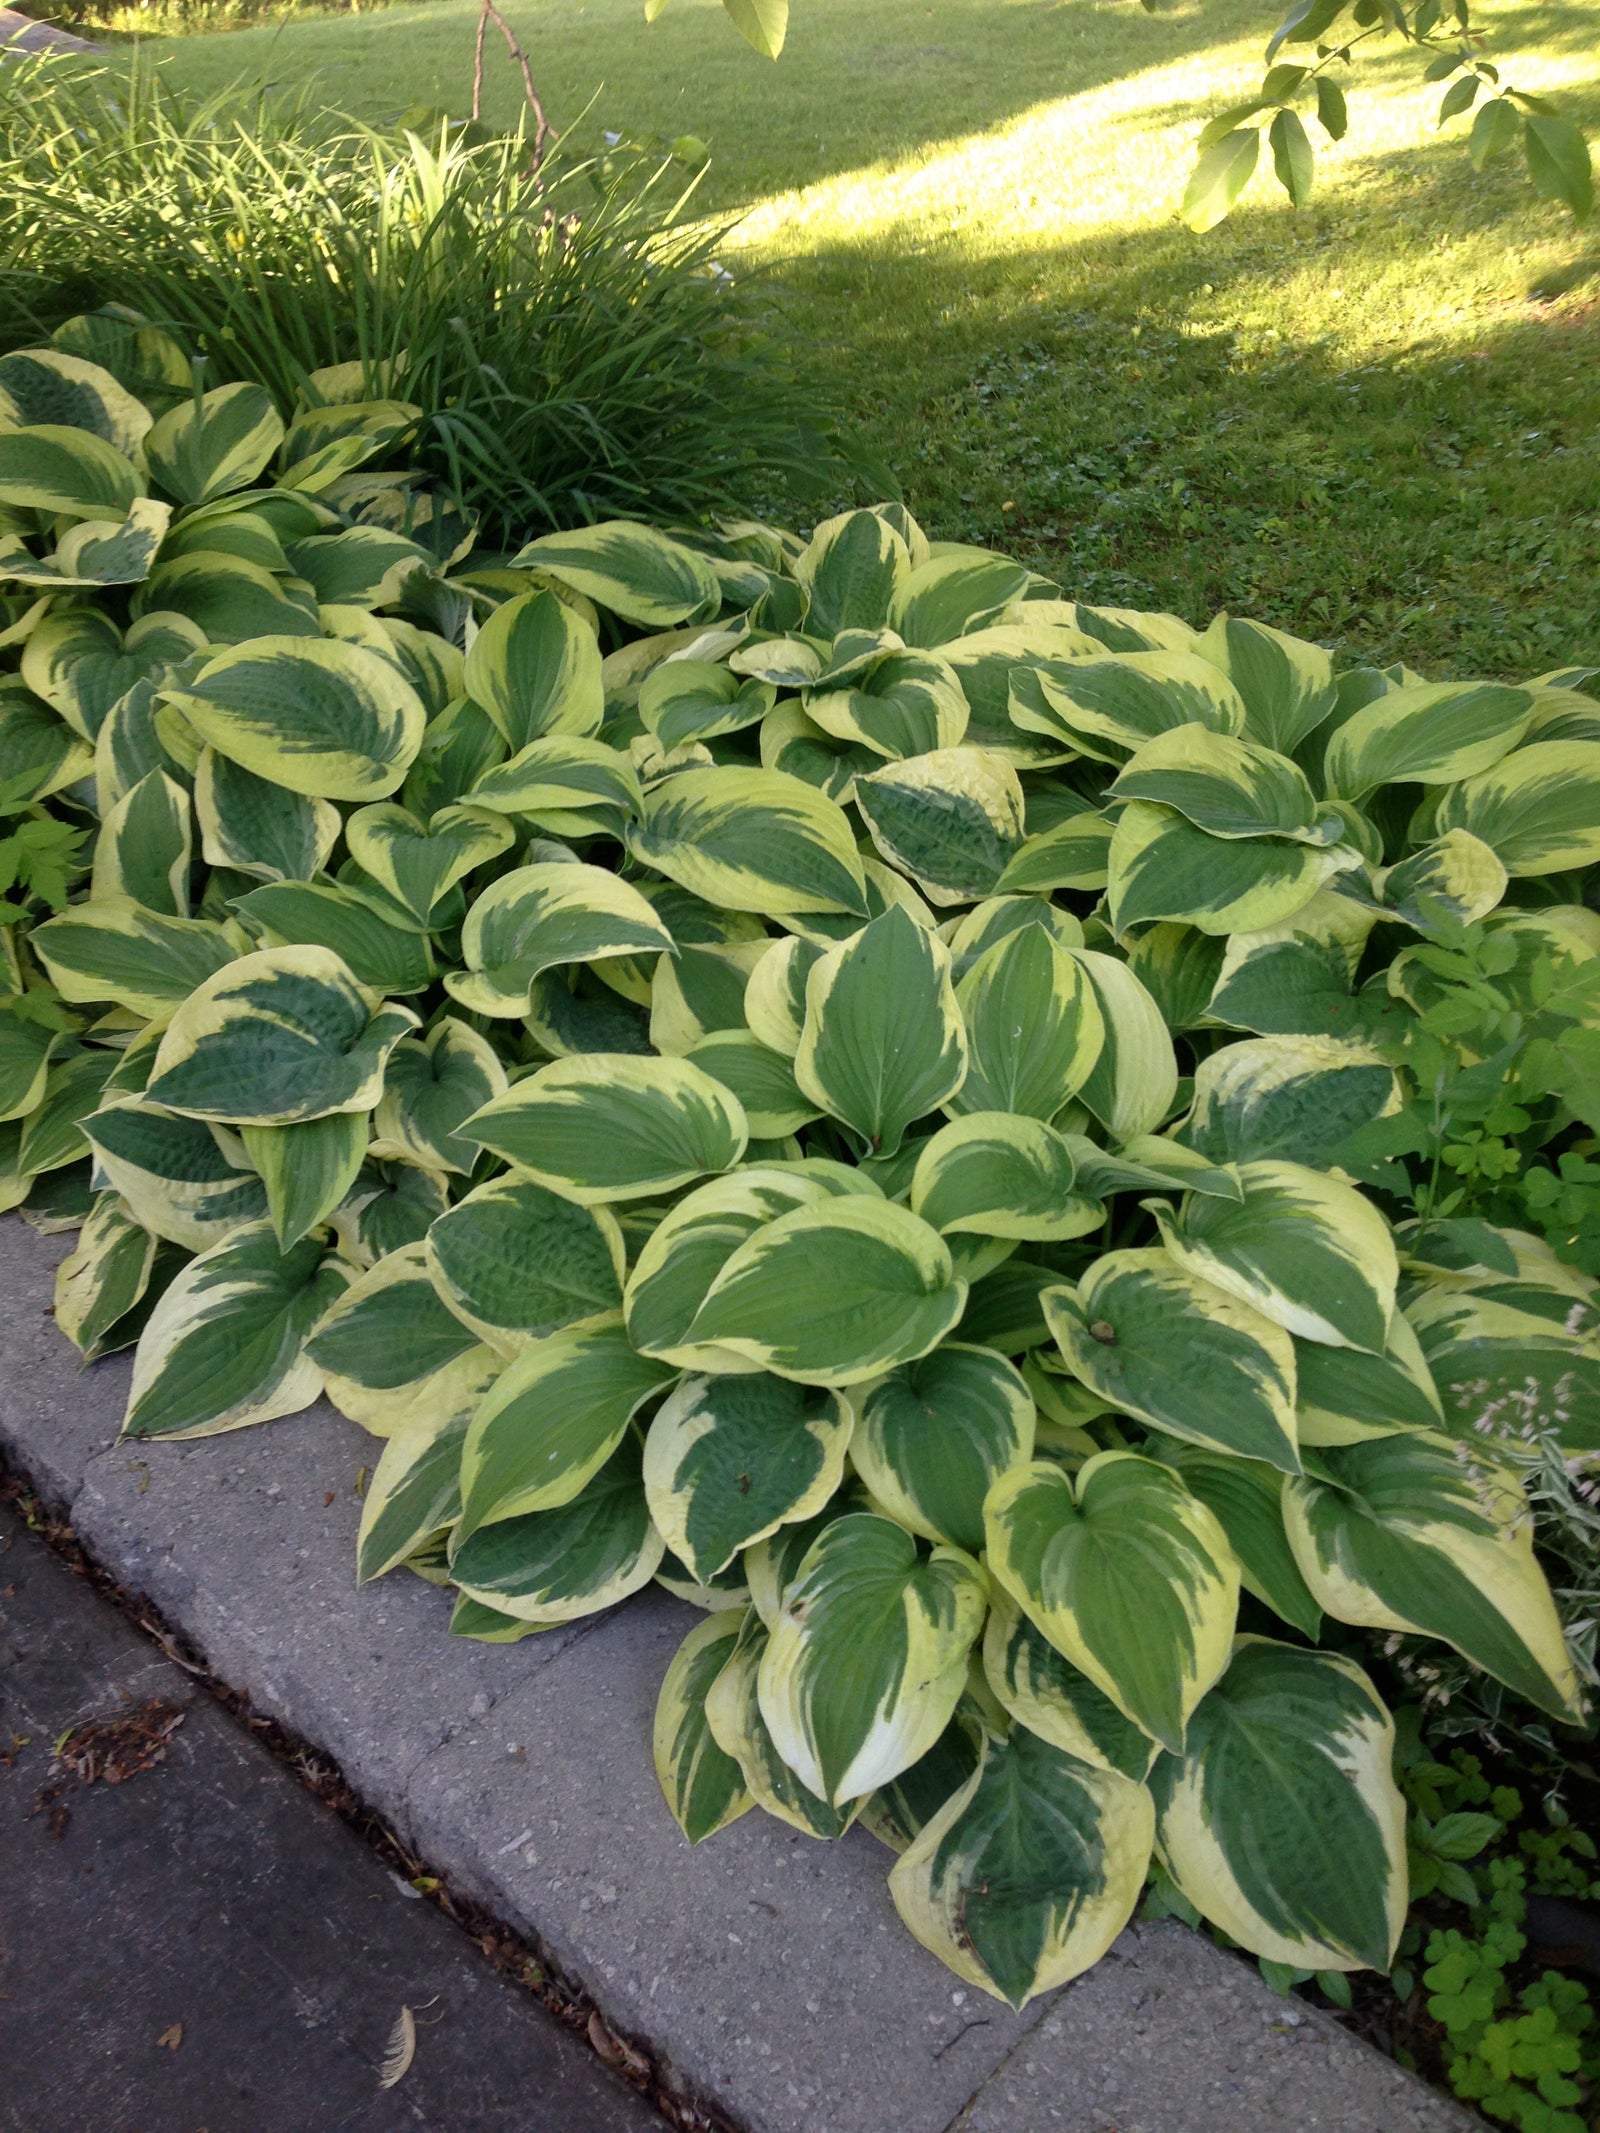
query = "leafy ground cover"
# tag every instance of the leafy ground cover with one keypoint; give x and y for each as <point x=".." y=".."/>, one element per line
<point x="1356" y="422"/>
<point x="935" y="1119"/>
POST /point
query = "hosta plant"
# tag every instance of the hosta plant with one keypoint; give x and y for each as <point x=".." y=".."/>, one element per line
<point x="814" y="1073"/>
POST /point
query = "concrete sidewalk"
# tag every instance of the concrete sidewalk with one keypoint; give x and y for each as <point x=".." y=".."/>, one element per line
<point x="189" y="1941"/>
<point x="762" y="1972"/>
<point x="20" y="33"/>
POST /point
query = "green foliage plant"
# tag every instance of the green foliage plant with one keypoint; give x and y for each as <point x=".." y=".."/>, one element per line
<point x="814" y="1072"/>
<point x="1522" y="2044"/>
<point x="563" y="327"/>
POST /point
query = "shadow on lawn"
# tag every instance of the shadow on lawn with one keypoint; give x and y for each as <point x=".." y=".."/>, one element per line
<point x="1432" y="498"/>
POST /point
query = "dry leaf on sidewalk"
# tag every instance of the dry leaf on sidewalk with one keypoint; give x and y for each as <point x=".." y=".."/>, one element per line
<point x="170" y="2038"/>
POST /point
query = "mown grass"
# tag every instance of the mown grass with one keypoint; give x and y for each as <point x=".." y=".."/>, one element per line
<point x="1360" y="421"/>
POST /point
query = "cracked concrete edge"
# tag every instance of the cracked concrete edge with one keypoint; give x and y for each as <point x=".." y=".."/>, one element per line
<point x="768" y="1973"/>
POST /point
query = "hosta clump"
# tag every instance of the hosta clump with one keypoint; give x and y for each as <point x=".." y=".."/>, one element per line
<point x="828" y="1076"/>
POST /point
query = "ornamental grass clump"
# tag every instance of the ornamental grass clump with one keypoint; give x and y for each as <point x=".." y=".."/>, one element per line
<point x="571" y="343"/>
<point x="828" y="1076"/>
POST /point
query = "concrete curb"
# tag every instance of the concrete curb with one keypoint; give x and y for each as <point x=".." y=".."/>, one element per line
<point x="765" y="1972"/>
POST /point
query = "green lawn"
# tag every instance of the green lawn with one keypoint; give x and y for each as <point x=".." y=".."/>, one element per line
<point x="1360" y="422"/>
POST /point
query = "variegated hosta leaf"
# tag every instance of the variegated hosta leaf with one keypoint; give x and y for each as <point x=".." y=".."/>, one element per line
<point x="1283" y="1824"/>
<point x="993" y="1174"/>
<point x="1162" y="866"/>
<point x="1051" y="1697"/>
<point x="1297" y="1099"/>
<point x="730" y="1459"/>
<point x="417" y="862"/>
<point x="1458" y="874"/>
<point x="556" y="1415"/>
<point x="1302" y="1248"/>
<point x="431" y="1085"/>
<point x="259" y="827"/>
<point x="614" y="1127"/>
<point x="325" y="442"/>
<point x="144" y="847"/>
<point x="47" y="466"/>
<point x="692" y="700"/>
<point x="225" y="1346"/>
<point x="850" y="569"/>
<point x="515" y="1261"/>
<point x="932" y="1437"/>
<point x="392" y="1357"/>
<point x="561" y="774"/>
<point x="380" y="953"/>
<point x="1107" y="708"/>
<point x="460" y="746"/>
<point x="733" y="1712"/>
<point x="283" y="1035"/>
<point x="414" y="1495"/>
<point x="112" y="948"/>
<point x="197" y="452"/>
<point x="762" y="1081"/>
<point x="539" y="916"/>
<point x="1071" y="854"/>
<point x="693" y="1242"/>
<point x="834" y="1294"/>
<point x="307" y="1168"/>
<point x="951" y="819"/>
<point x="1150" y="1161"/>
<point x="752" y="840"/>
<point x="1429" y="733"/>
<point x="1155" y="1340"/>
<point x="1295" y="978"/>
<point x="701" y="1782"/>
<point x="234" y="602"/>
<point x="1227" y="787"/>
<point x="97" y="552"/>
<point x="1287" y="685"/>
<point x="1405" y="1533"/>
<point x="775" y="993"/>
<point x="882" y="1043"/>
<point x="1518" y="1356"/>
<point x="79" y="662"/>
<point x="1246" y="1496"/>
<point x="793" y="743"/>
<point x="698" y="990"/>
<point x="39" y="753"/>
<point x="51" y="386"/>
<point x="585" y="1553"/>
<point x="104" y="1276"/>
<point x="1135" y="1077"/>
<point x="869" y="1655"/>
<point x="389" y="1205"/>
<point x="328" y="719"/>
<point x="897" y="1812"/>
<point x="635" y="571"/>
<point x="1128" y="1574"/>
<point x="175" y="1176"/>
<point x="534" y="666"/>
<point x="24" y="1063"/>
<point x="909" y="704"/>
<point x="1538" y="809"/>
<point x="994" y="920"/>
<point x="1028" y="1874"/>
<point x="1034" y="1027"/>
<point x="1344" y="1395"/>
<point x="51" y="1136"/>
<point x="958" y="590"/>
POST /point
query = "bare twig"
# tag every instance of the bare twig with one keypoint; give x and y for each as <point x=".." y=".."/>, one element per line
<point x="541" y="125"/>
